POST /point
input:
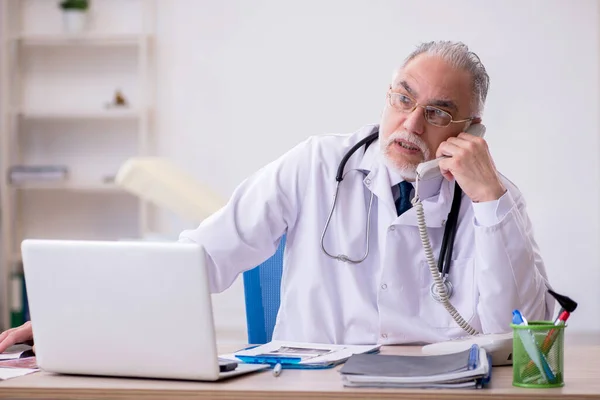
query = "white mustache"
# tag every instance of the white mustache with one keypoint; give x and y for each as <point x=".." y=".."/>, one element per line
<point x="412" y="139"/>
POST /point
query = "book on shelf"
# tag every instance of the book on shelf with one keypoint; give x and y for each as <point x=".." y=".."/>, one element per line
<point x="35" y="173"/>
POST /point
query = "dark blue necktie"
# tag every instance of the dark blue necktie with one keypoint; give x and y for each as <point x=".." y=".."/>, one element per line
<point x="403" y="202"/>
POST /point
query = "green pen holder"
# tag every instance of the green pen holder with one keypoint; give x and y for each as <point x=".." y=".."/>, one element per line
<point x="543" y="369"/>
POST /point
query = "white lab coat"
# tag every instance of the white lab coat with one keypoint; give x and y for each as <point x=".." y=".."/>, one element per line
<point x="496" y="265"/>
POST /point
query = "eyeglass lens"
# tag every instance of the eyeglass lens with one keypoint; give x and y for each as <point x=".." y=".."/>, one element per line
<point x="433" y="115"/>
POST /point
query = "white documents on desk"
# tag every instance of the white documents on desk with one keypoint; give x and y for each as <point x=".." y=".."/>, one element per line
<point x="11" y="356"/>
<point x="16" y="363"/>
<point x="311" y="355"/>
<point x="9" y="373"/>
<point x="498" y="345"/>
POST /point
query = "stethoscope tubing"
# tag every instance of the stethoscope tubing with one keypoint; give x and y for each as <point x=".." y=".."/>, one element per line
<point x="450" y="228"/>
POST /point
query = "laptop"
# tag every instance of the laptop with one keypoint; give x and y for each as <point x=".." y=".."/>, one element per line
<point x="123" y="308"/>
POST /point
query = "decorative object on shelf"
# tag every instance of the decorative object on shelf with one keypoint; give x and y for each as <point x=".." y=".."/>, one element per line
<point x="119" y="100"/>
<point x="75" y="15"/>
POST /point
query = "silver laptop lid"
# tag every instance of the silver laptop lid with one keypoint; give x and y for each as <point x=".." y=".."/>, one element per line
<point x="121" y="308"/>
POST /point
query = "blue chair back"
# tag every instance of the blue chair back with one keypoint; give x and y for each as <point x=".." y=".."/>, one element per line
<point x="261" y="291"/>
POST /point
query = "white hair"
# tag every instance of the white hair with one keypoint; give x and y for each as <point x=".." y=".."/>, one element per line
<point x="459" y="56"/>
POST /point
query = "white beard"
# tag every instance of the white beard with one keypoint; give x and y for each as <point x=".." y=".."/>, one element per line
<point x="405" y="169"/>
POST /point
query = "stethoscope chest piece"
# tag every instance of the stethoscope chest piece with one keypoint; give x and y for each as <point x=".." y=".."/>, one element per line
<point x="435" y="294"/>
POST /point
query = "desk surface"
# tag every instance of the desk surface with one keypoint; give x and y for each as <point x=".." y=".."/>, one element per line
<point x="582" y="373"/>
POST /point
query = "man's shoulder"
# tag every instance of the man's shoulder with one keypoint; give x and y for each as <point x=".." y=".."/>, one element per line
<point x="338" y="141"/>
<point x="321" y="149"/>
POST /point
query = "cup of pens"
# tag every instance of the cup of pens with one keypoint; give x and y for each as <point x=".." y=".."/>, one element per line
<point x="539" y="347"/>
<point x="538" y="353"/>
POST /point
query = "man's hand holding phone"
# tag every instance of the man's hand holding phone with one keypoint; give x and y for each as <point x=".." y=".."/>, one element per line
<point x="470" y="163"/>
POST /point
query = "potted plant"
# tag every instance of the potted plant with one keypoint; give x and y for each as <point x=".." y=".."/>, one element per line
<point x="75" y="15"/>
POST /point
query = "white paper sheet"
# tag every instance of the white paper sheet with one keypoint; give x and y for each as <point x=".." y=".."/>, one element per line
<point x="10" y="356"/>
<point x="8" y="373"/>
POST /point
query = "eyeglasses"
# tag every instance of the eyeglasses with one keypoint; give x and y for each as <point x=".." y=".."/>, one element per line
<point x="435" y="116"/>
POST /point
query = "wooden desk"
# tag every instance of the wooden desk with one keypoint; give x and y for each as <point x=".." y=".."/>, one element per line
<point x="582" y="380"/>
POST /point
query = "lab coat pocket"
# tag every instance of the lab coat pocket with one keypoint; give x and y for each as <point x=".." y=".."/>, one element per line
<point x="462" y="277"/>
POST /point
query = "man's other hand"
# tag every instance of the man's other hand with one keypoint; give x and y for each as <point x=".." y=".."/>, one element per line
<point x="16" y="335"/>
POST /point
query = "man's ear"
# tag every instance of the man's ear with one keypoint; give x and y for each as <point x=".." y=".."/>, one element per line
<point x="476" y="120"/>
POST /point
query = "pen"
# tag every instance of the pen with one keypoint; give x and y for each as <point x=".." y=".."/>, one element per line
<point x="531" y="348"/>
<point x="473" y="357"/>
<point x="568" y="305"/>
<point x="277" y="370"/>
<point x="549" y="339"/>
<point x="553" y="334"/>
<point x="560" y="313"/>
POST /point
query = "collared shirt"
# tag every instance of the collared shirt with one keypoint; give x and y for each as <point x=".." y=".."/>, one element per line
<point x="495" y="266"/>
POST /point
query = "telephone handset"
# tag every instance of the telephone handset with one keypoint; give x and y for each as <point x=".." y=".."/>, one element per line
<point x="441" y="288"/>
<point x="430" y="169"/>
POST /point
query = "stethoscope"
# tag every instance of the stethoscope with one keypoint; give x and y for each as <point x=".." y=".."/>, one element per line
<point x="449" y="229"/>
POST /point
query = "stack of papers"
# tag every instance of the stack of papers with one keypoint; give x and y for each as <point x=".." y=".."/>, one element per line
<point x="466" y="369"/>
<point x="13" y="365"/>
<point x="300" y="355"/>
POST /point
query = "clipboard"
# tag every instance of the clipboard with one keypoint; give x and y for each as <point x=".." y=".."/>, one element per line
<point x="300" y="355"/>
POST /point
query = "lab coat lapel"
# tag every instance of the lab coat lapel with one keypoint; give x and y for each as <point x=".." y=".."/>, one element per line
<point x="377" y="179"/>
<point x="379" y="183"/>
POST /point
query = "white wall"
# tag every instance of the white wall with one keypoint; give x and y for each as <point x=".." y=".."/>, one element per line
<point x="240" y="82"/>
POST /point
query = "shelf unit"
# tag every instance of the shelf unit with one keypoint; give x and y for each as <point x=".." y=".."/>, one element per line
<point x="126" y="40"/>
<point x="54" y="90"/>
<point x="79" y="187"/>
<point x="76" y="114"/>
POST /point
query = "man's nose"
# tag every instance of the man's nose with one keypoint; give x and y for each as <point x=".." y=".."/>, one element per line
<point x="415" y="121"/>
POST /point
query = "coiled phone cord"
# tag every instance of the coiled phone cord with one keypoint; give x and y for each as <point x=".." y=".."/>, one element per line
<point x="435" y="274"/>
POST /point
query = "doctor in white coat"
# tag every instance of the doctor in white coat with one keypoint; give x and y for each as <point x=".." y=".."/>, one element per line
<point x="495" y="268"/>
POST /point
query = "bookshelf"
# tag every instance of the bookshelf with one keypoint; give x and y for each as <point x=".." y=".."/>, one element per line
<point x="82" y="101"/>
<point x="80" y="187"/>
<point x="75" y="114"/>
<point x="126" y="40"/>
